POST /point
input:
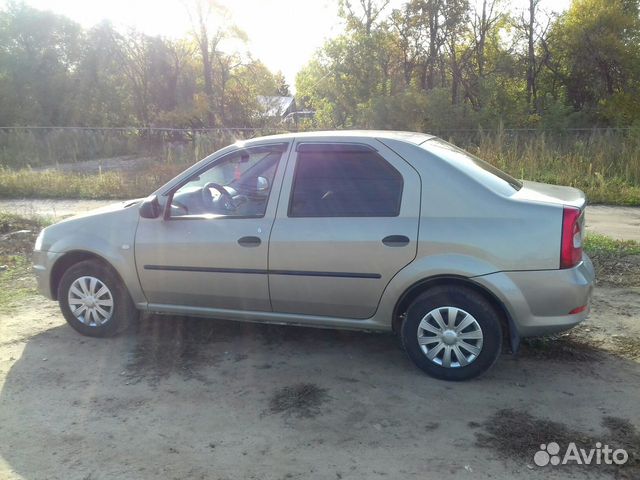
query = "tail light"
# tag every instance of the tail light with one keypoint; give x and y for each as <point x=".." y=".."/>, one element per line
<point x="571" y="244"/>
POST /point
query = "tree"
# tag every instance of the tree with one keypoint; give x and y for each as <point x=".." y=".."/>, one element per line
<point x="427" y="64"/>
<point x="202" y="14"/>
<point x="103" y="96"/>
<point x="38" y="52"/>
<point x="595" y="55"/>
<point x="534" y="26"/>
<point x="282" y="87"/>
<point x="364" y="15"/>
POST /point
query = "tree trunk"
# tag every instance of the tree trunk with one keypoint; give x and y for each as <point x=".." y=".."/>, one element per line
<point x="481" y="40"/>
<point x="455" y="72"/>
<point x="532" y="93"/>
<point x="206" y="70"/>
<point x="433" y="46"/>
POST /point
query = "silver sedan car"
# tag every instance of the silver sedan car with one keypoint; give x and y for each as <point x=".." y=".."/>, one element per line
<point x="377" y="231"/>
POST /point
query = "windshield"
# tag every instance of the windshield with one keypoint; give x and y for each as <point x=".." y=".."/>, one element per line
<point x="491" y="176"/>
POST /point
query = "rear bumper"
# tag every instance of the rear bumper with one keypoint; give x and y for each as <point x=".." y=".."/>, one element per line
<point x="539" y="301"/>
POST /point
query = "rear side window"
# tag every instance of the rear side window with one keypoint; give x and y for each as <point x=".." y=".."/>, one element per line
<point x="491" y="176"/>
<point x="344" y="183"/>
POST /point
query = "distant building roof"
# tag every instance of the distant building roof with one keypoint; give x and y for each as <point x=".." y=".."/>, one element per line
<point x="276" y="106"/>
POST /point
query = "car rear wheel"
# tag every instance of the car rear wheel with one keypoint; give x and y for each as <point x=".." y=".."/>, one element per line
<point x="452" y="333"/>
<point x="94" y="301"/>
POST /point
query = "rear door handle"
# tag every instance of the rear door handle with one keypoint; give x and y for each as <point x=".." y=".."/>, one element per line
<point x="249" y="241"/>
<point x="396" y="241"/>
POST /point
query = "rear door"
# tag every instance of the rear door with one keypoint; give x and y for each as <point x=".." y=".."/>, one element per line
<point x="347" y="222"/>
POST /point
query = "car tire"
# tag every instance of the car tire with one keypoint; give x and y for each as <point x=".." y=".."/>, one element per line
<point x="427" y="333"/>
<point x="108" y="308"/>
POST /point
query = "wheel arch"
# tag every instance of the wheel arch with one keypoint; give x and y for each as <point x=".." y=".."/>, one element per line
<point x="70" y="259"/>
<point x="510" y="334"/>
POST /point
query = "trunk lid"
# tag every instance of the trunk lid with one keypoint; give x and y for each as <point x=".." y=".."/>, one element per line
<point x="556" y="194"/>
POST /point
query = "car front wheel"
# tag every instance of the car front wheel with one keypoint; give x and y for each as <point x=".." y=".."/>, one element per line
<point x="94" y="300"/>
<point x="452" y="333"/>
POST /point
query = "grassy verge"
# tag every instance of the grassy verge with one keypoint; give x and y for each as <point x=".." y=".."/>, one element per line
<point x="600" y="245"/>
<point x="17" y="237"/>
<point x="123" y="185"/>
<point x="617" y="262"/>
<point x="108" y="185"/>
<point x="606" y="166"/>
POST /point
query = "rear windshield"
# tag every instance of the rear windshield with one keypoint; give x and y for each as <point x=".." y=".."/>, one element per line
<point x="491" y="176"/>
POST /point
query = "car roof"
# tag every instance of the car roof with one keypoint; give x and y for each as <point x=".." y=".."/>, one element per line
<point x="415" y="138"/>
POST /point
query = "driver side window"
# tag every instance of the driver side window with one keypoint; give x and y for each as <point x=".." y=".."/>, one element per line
<point x="236" y="185"/>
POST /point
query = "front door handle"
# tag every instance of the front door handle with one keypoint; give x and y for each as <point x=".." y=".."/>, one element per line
<point x="249" y="241"/>
<point x="396" y="241"/>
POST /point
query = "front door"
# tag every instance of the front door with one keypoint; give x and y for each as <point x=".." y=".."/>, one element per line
<point x="347" y="222"/>
<point x="210" y="249"/>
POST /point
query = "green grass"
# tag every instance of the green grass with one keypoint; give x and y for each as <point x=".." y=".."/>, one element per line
<point x="16" y="282"/>
<point x="616" y="262"/>
<point x="16" y="278"/>
<point x="597" y="244"/>
<point x="109" y="185"/>
<point x="605" y="165"/>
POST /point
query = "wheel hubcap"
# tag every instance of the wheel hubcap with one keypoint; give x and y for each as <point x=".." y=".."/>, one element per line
<point x="90" y="301"/>
<point x="450" y="337"/>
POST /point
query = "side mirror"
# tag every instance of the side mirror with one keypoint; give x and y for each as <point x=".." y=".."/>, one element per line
<point x="262" y="184"/>
<point x="150" y="207"/>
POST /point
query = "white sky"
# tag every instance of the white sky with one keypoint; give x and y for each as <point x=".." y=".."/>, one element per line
<point x="282" y="33"/>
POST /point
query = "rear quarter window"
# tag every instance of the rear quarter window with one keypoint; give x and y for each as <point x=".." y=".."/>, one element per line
<point x="487" y="174"/>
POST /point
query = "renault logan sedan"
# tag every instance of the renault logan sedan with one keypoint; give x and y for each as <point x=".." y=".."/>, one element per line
<point x="386" y="231"/>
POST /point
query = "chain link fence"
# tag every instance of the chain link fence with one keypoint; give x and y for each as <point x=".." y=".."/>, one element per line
<point x="129" y="162"/>
<point x="31" y="147"/>
<point x="36" y="147"/>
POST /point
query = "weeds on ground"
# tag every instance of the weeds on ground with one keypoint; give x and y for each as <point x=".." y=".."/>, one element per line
<point x="597" y="244"/>
<point x="519" y="435"/>
<point x="106" y="185"/>
<point x="617" y="262"/>
<point x="17" y="238"/>
<point x="605" y="165"/>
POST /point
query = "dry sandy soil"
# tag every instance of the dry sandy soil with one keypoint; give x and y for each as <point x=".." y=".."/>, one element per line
<point x="621" y="223"/>
<point x="185" y="398"/>
<point x="52" y="208"/>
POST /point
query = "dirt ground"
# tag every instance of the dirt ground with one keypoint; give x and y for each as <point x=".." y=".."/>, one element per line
<point x="181" y="398"/>
<point x="187" y="398"/>
<point x="52" y="208"/>
<point x="621" y="223"/>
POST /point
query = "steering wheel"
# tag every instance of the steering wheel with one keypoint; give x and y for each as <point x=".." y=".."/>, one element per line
<point x="227" y="199"/>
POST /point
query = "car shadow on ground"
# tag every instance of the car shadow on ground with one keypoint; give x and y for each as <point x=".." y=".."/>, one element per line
<point x="179" y="397"/>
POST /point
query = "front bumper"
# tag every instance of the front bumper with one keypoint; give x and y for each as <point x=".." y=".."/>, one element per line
<point x="42" y="263"/>
<point x="539" y="301"/>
